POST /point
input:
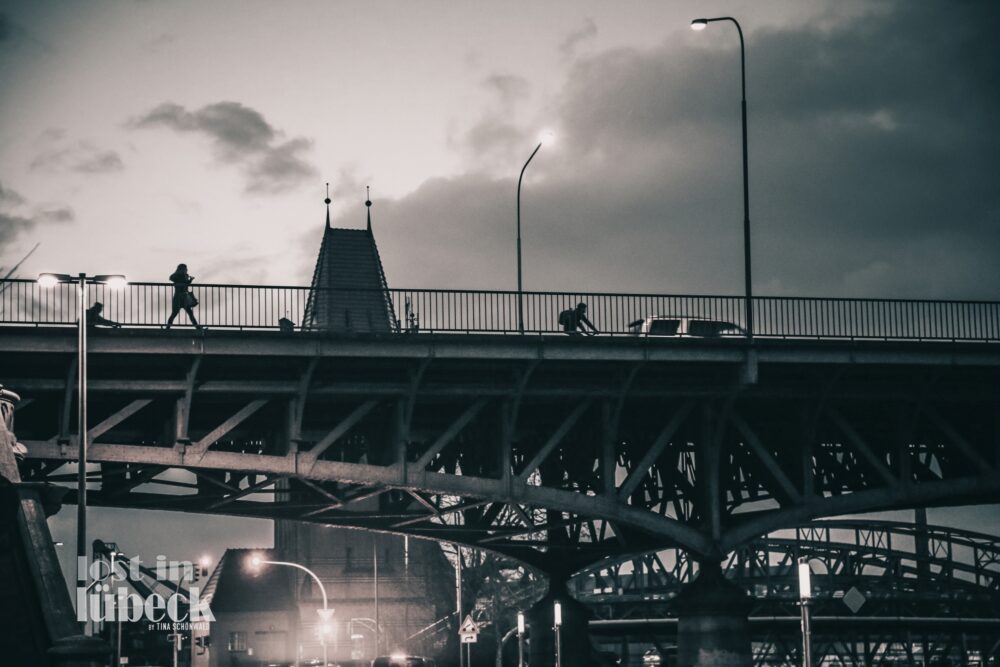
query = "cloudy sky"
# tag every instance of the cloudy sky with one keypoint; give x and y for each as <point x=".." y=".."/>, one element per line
<point x="137" y="135"/>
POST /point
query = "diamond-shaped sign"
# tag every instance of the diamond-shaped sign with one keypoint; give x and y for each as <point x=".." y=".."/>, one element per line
<point x="854" y="600"/>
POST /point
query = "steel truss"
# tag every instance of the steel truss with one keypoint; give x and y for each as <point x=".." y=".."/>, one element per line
<point x="929" y="594"/>
<point x="559" y="452"/>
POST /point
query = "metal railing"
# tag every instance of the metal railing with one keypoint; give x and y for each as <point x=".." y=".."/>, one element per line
<point x="25" y="302"/>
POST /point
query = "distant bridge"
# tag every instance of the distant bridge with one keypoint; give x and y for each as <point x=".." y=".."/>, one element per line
<point x="884" y="592"/>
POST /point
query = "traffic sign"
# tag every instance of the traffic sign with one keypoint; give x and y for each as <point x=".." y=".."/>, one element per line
<point x="469" y="626"/>
<point x="469" y="631"/>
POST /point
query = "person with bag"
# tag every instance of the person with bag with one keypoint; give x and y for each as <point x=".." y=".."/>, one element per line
<point x="574" y="321"/>
<point x="183" y="299"/>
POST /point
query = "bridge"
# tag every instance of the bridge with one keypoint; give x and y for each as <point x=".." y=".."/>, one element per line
<point x="885" y="592"/>
<point x="559" y="451"/>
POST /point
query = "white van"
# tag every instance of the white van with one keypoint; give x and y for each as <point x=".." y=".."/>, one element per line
<point x="682" y="325"/>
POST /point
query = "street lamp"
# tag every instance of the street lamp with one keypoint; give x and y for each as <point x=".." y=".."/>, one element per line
<point x="547" y="137"/>
<point x="520" y="639"/>
<point x="701" y="24"/>
<point x="113" y="281"/>
<point x="324" y="614"/>
<point x="805" y="596"/>
<point x="557" y="614"/>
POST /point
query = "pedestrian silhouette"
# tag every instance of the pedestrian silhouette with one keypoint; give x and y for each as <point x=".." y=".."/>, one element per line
<point x="95" y="319"/>
<point x="574" y="321"/>
<point x="183" y="299"/>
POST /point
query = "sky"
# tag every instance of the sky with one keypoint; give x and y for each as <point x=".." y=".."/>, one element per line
<point x="138" y="135"/>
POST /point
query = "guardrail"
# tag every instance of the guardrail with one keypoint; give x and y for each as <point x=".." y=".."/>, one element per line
<point x="25" y="302"/>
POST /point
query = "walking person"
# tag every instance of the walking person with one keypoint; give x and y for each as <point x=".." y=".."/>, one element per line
<point x="183" y="299"/>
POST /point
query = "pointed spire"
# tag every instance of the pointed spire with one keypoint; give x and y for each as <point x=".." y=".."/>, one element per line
<point x="368" y="205"/>
<point x="327" y="201"/>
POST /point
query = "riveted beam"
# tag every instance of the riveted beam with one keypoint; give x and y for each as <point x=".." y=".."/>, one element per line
<point x="298" y="407"/>
<point x="956" y="439"/>
<point x="491" y="490"/>
<point x="117" y="418"/>
<point x="557" y="437"/>
<point x="338" y="431"/>
<point x="612" y="421"/>
<point x="859" y="445"/>
<point x="449" y="433"/>
<point x="254" y="488"/>
<point x="766" y="458"/>
<point x="182" y="408"/>
<point x="634" y="478"/>
<point x="225" y="427"/>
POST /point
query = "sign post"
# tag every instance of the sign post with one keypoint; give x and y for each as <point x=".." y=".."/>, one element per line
<point x="468" y="632"/>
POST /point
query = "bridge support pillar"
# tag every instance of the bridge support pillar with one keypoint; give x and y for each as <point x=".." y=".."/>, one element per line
<point x="574" y="640"/>
<point x="713" y="627"/>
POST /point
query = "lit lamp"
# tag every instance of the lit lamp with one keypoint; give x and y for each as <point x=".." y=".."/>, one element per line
<point x="698" y="25"/>
<point x="558" y="628"/>
<point x="805" y="595"/>
<point x="113" y="281"/>
<point x="325" y="614"/>
<point x="520" y="639"/>
<point x="546" y="137"/>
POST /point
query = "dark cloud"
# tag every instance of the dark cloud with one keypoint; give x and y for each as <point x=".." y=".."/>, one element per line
<point x="9" y="197"/>
<point x="64" y="214"/>
<point x="82" y="156"/>
<point x="873" y="153"/>
<point x="494" y="138"/>
<point x="241" y="136"/>
<point x="585" y="32"/>
<point x="17" y="219"/>
<point x="509" y="88"/>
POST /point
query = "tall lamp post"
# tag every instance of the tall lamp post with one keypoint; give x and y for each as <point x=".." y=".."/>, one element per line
<point x="805" y="596"/>
<point x="324" y="614"/>
<point x="557" y="618"/>
<point x="701" y="24"/>
<point x="520" y="639"/>
<point x="114" y="281"/>
<point x="546" y="137"/>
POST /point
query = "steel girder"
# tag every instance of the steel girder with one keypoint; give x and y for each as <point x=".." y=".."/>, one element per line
<point x="557" y="451"/>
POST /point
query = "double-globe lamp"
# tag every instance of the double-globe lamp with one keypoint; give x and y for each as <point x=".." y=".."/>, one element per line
<point x="115" y="282"/>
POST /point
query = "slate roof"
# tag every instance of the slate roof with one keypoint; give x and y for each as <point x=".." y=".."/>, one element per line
<point x="233" y="587"/>
<point x="348" y="260"/>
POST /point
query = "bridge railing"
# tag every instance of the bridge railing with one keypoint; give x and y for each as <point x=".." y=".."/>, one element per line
<point x="25" y="302"/>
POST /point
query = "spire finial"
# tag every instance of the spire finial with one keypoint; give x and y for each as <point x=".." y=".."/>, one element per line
<point x="327" y="202"/>
<point x="368" y="205"/>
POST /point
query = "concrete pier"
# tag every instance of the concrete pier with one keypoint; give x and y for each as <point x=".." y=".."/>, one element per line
<point x="713" y="628"/>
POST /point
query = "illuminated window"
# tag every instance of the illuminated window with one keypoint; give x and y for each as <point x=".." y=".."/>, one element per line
<point x="237" y="641"/>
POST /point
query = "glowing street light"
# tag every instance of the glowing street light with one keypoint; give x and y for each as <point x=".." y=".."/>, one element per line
<point x="114" y="281"/>
<point x="325" y="614"/>
<point x="520" y="639"/>
<point x="805" y="596"/>
<point x="701" y="24"/>
<point x="546" y="137"/>
<point x="557" y="615"/>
